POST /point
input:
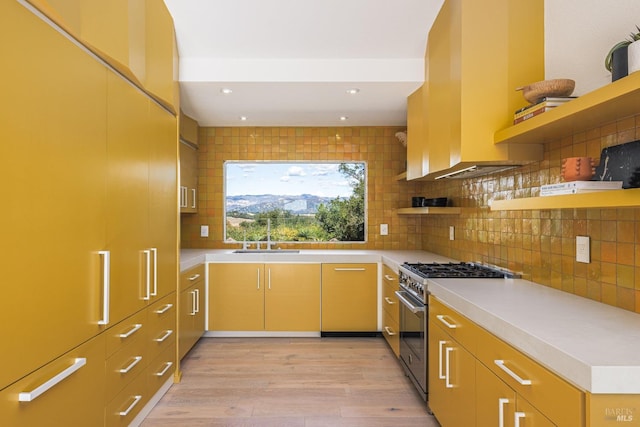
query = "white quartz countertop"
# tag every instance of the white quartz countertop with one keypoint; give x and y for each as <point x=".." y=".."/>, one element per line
<point x="592" y="345"/>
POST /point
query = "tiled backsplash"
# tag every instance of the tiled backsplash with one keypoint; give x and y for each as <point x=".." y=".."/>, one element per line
<point x="541" y="244"/>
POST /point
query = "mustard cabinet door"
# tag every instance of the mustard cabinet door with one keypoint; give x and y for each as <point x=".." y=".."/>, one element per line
<point x="236" y="297"/>
<point x="529" y="416"/>
<point x="292" y="297"/>
<point x="52" y="188"/>
<point x="75" y="396"/>
<point x="349" y="297"/>
<point x="186" y="313"/>
<point x="163" y="211"/>
<point x="127" y="197"/>
<point x="495" y="401"/>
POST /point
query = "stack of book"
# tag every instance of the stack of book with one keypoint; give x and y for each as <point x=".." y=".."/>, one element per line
<point x="574" y="187"/>
<point x="543" y="104"/>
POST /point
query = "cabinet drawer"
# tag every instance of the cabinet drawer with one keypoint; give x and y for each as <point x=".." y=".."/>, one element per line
<point x="160" y="370"/>
<point x="127" y="404"/>
<point x="454" y="324"/>
<point x="390" y="331"/>
<point x="543" y="389"/>
<point x="162" y="330"/>
<point x="125" y="365"/>
<point x="390" y="300"/>
<point x="162" y="312"/>
<point x="65" y="403"/>
<point x="191" y="277"/>
<point x="389" y="276"/>
<point x="125" y="332"/>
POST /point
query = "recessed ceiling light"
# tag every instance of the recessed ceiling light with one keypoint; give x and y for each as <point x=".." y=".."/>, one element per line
<point x="226" y="90"/>
<point x="243" y="118"/>
<point x="343" y="118"/>
<point x="353" y="91"/>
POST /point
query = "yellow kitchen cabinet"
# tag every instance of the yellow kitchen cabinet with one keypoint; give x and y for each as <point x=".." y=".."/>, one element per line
<point x="452" y="378"/>
<point x="257" y="297"/>
<point x="390" y="309"/>
<point x="191" y="312"/>
<point x="162" y="330"/>
<point x="188" y="129"/>
<point x="349" y="297"/>
<point x="53" y="178"/>
<point x="477" y="54"/>
<point x="68" y="391"/>
<point x="124" y="407"/>
<point x="417" y="150"/>
<point x="188" y="178"/>
<point x="495" y="401"/>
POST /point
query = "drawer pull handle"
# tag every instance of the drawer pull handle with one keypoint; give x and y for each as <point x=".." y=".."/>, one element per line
<point x="106" y="286"/>
<point x="194" y="277"/>
<point x="389" y="301"/>
<point x="389" y="331"/>
<point x="166" y="335"/>
<point x="516" y="418"/>
<point x="501" y="365"/>
<point x="126" y="370"/>
<point x="28" y="396"/>
<point x="193" y="203"/>
<point x="440" y="372"/>
<point x="501" y="402"/>
<point x="136" y="399"/>
<point x="389" y="278"/>
<point x="167" y="366"/>
<point x="155" y="271"/>
<point x="164" y="309"/>
<point x="349" y="269"/>
<point x="440" y="317"/>
<point x="197" y="291"/>
<point x="133" y="330"/>
<point x="147" y="273"/>
<point x="447" y="373"/>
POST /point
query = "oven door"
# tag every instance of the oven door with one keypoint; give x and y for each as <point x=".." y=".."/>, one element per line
<point x="413" y="340"/>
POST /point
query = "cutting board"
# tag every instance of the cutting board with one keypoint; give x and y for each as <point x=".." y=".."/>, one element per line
<point x="620" y="163"/>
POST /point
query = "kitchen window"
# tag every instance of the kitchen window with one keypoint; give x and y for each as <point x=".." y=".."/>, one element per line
<point x="302" y="202"/>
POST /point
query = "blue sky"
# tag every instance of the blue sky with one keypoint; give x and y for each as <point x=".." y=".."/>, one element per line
<point x="319" y="179"/>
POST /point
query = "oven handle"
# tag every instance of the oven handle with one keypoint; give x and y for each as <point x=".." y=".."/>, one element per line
<point x="414" y="308"/>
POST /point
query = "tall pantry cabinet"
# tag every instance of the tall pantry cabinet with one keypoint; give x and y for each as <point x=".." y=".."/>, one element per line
<point x="89" y="229"/>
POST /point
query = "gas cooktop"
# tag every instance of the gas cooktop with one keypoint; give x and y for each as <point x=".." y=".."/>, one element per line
<point x="461" y="269"/>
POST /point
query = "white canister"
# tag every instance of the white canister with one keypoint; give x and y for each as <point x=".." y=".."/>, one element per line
<point x="633" y="55"/>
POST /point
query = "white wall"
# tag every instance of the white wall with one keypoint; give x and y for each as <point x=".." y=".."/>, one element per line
<point x="578" y="35"/>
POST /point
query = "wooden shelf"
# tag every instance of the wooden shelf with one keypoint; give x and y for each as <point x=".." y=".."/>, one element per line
<point x="608" y="103"/>
<point x="429" y="211"/>
<point x="601" y="199"/>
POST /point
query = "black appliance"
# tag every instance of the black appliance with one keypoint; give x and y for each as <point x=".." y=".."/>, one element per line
<point x="414" y="297"/>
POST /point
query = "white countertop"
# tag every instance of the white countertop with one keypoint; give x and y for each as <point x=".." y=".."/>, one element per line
<point x="592" y="345"/>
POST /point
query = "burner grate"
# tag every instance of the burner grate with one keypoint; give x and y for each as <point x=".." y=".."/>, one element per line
<point x="453" y="270"/>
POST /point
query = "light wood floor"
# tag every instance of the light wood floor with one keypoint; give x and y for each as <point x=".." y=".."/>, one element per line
<point x="310" y="382"/>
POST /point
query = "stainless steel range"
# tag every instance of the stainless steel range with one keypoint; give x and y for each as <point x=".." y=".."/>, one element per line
<point x="414" y="296"/>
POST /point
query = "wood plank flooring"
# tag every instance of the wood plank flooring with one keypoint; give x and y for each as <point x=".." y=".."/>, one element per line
<point x="291" y="382"/>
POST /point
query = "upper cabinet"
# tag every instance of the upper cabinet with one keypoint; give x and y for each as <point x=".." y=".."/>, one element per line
<point x="477" y="54"/>
<point x="188" y="129"/>
<point x="136" y="37"/>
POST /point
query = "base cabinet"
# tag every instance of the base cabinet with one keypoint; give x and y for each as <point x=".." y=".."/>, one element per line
<point x="349" y="297"/>
<point x="192" y="309"/>
<point x="390" y="309"/>
<point x="264" y="297"/>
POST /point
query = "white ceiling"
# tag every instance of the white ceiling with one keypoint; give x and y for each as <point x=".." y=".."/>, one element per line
<point x="290" y="62"/>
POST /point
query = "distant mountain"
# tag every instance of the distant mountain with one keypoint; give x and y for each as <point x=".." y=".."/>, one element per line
<point x="302" y="204"/>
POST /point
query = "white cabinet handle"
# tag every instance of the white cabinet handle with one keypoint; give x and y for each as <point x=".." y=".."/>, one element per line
<point x="193" y="193"/>
<point x="501" y="403"/>
<point x="106" y="286"/>
<point x="132" y="331"/>
<point x="389" y="331"/>
<point x="164" y="309"/>
<point x="136" y="399"/>
<point x="349" y="269"/>
<point x="389" y="278"/>
<point x="258" y="279"/>
<point x="389" y="301"/>
<point x="197" y="291"/>
<point x="126" y="370"/>
<point x="167" y="366"/>
<point x="269" y="278"/>
<point x="183" y="197"/>
<point x="155" y="271"/>
<point x="166" y="335"/>
<point x="440" y="317"/>
<point x="147" y="257"/>
<point x="28" y="396"/>
<point x="516" y="418"/>
<point x="447" y="373"/>
<point x="501" y="365"/>
<point x="440" y="372"/>
<point x="194" y="277"/>
<point x="193" y="303"/>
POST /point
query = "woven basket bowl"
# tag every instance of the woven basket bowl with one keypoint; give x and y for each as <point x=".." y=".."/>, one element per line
<point x="557" y="87"/>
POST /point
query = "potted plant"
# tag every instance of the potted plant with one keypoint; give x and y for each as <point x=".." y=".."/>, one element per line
<point x="616" y="60"/>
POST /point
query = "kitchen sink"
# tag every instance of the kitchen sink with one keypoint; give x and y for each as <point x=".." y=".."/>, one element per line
<point x="266" y="251"/>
